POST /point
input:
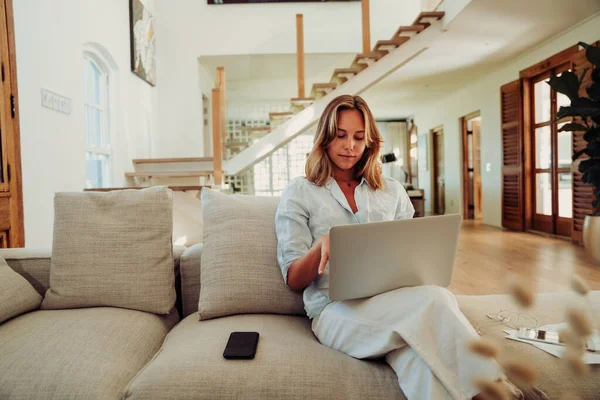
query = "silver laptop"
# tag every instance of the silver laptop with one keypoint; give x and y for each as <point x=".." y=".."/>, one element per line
<point x="373" y="258"/>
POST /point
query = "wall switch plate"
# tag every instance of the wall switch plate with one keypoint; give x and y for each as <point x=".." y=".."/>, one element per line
<point x="488" y="167"/>
<point x="56" y="102"/>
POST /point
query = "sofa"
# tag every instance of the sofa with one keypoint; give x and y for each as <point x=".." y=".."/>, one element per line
<point x="120" y="353"/>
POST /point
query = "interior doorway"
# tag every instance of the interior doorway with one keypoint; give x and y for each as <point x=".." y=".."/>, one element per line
<point x="472" y="181"/>
<point x="439" y="181"/>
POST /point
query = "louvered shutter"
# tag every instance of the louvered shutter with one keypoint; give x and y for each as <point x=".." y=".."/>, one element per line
<point x="513" y="214"/>
<point x="582" y="192"/>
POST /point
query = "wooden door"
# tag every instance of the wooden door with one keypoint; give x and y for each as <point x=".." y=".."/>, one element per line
<point x="11" y="198"/>
<point x="552" y="187"/>
<point x="439" y="183"/>
<point x="477" y="188"/>
<point x="513" y="210"/>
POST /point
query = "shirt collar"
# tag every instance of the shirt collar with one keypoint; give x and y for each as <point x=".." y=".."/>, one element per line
<point x="330" y="182"/>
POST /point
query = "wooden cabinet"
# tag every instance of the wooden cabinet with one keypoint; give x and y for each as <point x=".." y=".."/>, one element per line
<point x="417" y="198"/>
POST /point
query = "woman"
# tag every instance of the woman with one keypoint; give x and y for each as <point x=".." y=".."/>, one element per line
<point x="420" y="330"/>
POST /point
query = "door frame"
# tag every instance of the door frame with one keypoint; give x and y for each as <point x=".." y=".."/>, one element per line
<point x="560" y="226"/>
<point x="434" y="171"/>
<point x="16" y="236"/>
<point x="465" y="159"/>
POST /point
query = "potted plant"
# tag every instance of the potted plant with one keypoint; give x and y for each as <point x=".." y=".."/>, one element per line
<point x="586" y="113"/>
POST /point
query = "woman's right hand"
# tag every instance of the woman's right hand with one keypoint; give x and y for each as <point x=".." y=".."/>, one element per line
<point x="324" y="244"/>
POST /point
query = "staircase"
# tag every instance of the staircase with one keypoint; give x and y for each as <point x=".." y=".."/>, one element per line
<point x="366" y="70"/>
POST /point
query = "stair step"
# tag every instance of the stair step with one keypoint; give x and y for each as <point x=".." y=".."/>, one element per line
<point x="168" y="174"/>
<point x="430" y="15"/>
<point x="363" y="60"/>
<point x="409" y="31"/>
<point x="321" y="89"/>
<point x="300" y="103"/>
<point x="148" y="165"/>
<point x="281" y="115"/>
<point x="237" y="145"/>
<point x="341" y="75"/>
<point x="385" y="46"/>
<point x="256" y="132"/>
<point x="170" y="160"/>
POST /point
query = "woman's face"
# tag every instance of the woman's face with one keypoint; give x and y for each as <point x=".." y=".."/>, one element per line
<point x="349" y="145"/>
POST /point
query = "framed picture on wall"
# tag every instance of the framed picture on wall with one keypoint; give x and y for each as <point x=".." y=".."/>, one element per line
<point x="142" y="39"/>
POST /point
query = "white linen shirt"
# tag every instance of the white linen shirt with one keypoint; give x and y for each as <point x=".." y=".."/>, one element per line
<point x="307" y="211"/>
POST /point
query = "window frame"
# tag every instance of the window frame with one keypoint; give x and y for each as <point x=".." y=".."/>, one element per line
<point x="105" y="107"/>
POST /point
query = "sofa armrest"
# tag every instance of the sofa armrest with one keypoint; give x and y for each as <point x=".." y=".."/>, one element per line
<point x="32" y="264"/>
<point x="190" y="278"/>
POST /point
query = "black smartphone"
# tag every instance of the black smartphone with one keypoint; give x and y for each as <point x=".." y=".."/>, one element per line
<point x="241" y="345"/>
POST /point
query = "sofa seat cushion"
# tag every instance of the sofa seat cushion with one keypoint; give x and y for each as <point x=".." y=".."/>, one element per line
<point x="290" y="363"/>
<point x="89" y="353"/>
<point x="549" y="308"/>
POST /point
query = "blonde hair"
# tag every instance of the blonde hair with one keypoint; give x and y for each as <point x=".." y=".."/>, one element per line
<point x="319" y="168"/>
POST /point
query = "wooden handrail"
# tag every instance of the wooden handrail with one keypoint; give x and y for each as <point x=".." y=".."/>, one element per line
<point x="366" y="26"/>
<point x="300" y="53"/>
<point x="222" y="105"/>
<point x="217" y="136"/>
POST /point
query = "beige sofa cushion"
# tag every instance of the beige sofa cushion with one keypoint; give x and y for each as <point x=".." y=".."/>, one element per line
<point x="113" y="249"/>
<point x="554" y="378"/>
<point x="289" y="364"/>
<point x="89" y="353"/>
<point x="239" y="271"/>
<point x="17" y="296"/>
<point x="190" y="278"/>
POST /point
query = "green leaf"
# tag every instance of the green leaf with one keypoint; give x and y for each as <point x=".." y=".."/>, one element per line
<point x="592" y="134"/>
<point x="592" y="53"/>
<point x="573" y="127"/>
<point x="593" y="150"/>
<point x="596" y="75"/>
<point x="582" y="76"/>
<point x="567" y="83"/>
<point x="582" y="107"/>
<point x="593" y="91"/>
<point x="578" y="154"/>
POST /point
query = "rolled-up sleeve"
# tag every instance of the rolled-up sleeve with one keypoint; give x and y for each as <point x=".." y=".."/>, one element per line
<point x="404" y="209"/>
<point x="291" y="225"/>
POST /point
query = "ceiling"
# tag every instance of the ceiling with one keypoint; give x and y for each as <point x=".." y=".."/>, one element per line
<point x="485" y="35"/>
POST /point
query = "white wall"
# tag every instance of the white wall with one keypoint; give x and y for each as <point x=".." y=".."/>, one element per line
<point x="50" y="37"/>
<point x="484" y="95"/>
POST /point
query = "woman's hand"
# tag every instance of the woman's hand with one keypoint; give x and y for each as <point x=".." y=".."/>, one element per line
<point x="324" y="243"/>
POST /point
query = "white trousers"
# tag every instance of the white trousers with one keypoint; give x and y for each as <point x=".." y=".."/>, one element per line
<point x="420" y="331"/>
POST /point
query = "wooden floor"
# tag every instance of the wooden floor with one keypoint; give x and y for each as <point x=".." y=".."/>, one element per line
<point x="487" y="254"/>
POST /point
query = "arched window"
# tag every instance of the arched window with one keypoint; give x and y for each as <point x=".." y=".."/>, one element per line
<point x="97" y="106"/>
